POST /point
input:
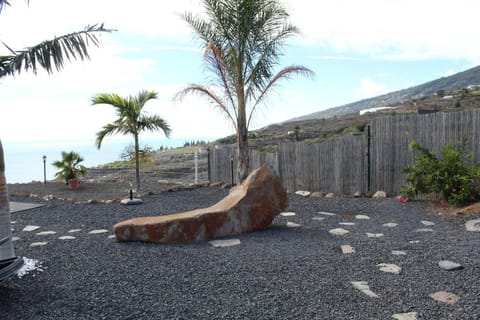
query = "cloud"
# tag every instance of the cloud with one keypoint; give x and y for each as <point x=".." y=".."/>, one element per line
<point x="39" y="20"/>
<point x="337" y="58"/>
<point x="393" y="29"/>
<point x="370" y="88"/>
<point x="380" y="29"/>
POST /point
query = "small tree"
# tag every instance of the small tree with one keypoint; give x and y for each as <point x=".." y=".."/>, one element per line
<point x="132" y="120"/>
<point x="69" y="167"/>
<point x="145" y="153"/>
<point x="454" y="176"/>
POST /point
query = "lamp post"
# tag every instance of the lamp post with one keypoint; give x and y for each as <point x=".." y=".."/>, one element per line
<point x="44" y="169"/>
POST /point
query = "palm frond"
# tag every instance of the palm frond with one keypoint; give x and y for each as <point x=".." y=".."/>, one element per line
<point x="212" y="97"/>
<point x="107" y="130"/>
<point x="52" y="54"/>
<point x="215" y="59"/>
<point x="285" y="73"/>
<point x="153" y="123"/>
<point x="3" y="3"/>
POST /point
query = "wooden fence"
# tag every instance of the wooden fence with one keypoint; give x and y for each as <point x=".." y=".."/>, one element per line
<point x="362" y="162"/>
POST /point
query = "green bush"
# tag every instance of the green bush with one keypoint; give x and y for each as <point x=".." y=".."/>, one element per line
<point x="454" y="176"/>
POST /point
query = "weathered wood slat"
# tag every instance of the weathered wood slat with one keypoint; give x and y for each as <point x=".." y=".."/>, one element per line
<point x="340" y="165"/>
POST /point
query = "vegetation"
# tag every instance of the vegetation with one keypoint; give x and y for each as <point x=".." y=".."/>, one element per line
<point x="243" y="40"/>
<point x="194" y="143"/>
<point x="454" y="176"/>
<point x="49" y="55"/>
<point x="69" y="167"/>
<point x="132" y="120"/>
<point x="145" y="154"/>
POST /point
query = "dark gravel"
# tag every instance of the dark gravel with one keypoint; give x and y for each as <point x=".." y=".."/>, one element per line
<point x="280" y="273"/>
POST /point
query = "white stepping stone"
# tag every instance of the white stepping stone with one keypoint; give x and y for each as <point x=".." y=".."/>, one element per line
<point x="473" y="225"/>
<point x="326" y="214"/>
<point x="30" y="228"/>
<point x="374" y="235"/>
<point x="38" y="244"/>
<point x="99" y="231"/>
<point x="112" y="236"/>
<point x="45" y="233"/>
<point x="338" y="232"/>
<point x="292" y="225"/>
<point x="414" y="241"/>
<point x="390" y="225"/>
<point x="74" y="230"/>
<point x="288" y="214"/>
<point x="225" y="243"/>
<point x="424" y="230"/>
<point x="133" y="201"/>
<point x="318" y="218"/>
<point x="13" y="222"/>
<point x="445" y="297"/>
<point x="347" y="249"/>
<point x="362" y="217"/>
<point x="405" y="316"/>
<point x="398" y="253"/>
<point x="427" y="223"/>
<point x="16" y="239"/>
<point x="347" y="223"/>
<point x="450" y="265"/>
<point x="303" y="193"/>
<point x="389" y="268"/>
<point x="66" y="238"/>
<point x="364" y="288"/>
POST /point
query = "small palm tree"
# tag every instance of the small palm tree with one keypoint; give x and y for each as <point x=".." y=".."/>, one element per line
<point x="69" y="167"/>
<point x="132" y="120"/>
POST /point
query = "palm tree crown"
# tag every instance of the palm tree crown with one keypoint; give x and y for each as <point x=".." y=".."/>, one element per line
<point x="243" y="41"/>
<point x="49" y="55"/>
<point x="131" y="120"/>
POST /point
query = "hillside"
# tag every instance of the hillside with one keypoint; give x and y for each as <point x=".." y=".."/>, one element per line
<point x="449" y="84"/>
<point x="317" y="130"/>
<point x="448" y="94"/>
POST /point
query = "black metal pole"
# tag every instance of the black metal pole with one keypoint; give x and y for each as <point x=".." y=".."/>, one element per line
<point x="44" y="169"/>
<point x="368" y="159"/>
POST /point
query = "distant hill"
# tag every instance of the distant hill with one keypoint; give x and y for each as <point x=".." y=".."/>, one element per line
<point x="449" y="84"/>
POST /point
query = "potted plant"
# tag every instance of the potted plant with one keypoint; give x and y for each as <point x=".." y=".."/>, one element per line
<point x="69" y="168"/>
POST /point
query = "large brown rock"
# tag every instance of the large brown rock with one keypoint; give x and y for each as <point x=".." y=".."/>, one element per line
<point x="249" y="207"/>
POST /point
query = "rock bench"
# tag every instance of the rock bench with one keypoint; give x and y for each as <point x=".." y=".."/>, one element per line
<point x="247" y="208"/>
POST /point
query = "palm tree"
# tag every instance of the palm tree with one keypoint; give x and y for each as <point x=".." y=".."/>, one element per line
<point x="243" y="40"/>
<point x="50" y="56"/>
<point x="132" y="120"/>
<point x="69" y="167"/>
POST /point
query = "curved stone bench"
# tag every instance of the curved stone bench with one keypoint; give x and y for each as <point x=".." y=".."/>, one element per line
<point x="248" y="207"/>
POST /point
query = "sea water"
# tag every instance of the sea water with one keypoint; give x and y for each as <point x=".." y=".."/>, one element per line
<point x="24" y="160"/>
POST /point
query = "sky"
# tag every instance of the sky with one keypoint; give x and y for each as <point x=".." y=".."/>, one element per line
<point x="357" y="49"/>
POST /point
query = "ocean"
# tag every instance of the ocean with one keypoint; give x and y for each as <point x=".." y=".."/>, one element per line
<point x="24" y="160"/>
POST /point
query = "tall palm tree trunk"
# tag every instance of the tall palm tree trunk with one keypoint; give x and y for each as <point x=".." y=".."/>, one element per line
<point x="243" y="156"/>
<point x="242" y="138"/>
<point x="137" y="162"/>
<point x="6" y="249"/>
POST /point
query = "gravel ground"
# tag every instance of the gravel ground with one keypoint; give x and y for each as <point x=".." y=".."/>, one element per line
<point x="279" y="273"/>
<point x="88" y="190"/>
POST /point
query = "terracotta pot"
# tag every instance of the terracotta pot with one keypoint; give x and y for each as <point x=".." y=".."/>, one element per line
<point x="73" y="184"/>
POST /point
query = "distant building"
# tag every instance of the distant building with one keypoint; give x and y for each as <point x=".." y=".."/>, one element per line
<point x="373" y="110"/>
